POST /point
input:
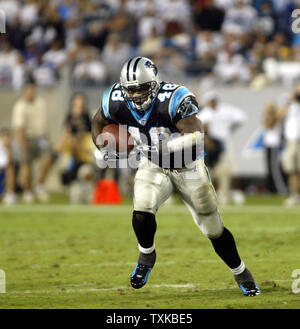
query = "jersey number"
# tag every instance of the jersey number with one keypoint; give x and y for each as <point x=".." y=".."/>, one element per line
<point x="167" y="94"/>
<point x="117" y="96"/>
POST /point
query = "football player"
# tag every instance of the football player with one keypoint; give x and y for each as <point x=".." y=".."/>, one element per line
<point x="166" y="114"/>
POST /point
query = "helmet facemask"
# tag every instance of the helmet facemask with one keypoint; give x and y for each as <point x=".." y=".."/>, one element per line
<point x="140" y="97"/>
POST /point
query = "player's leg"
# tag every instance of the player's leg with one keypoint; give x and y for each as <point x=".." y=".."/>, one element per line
<point x="199" y="195"/>
<point x="151" y="188"/>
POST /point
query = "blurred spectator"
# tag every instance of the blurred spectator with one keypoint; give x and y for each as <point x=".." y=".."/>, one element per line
<point x="279" y="5"/>
<point x="231" y="67"/>
<point x="287" y="72"/>
<point x="148" y="22"/>
<point x="178" y="11"/>
<point x="17" y="34"/>
<point x="115" y="53"/>
<point x="272" y="142"/>
<point x="151" y="45"/>
<point x="224" y="4"/>
<point x="207" y="46"/>
<point x="67" y="10"/>
<point x="290" y="115"/>
<point x="220" y="121"/>
<point x="284" y="9"/>
<point x="209" y="16"/>
<point x="82" y="189"/>
<point x="77" y="49"/>
<point x="11" y="9"/>
<point x="56" y="56"/>
<point x="175" y="50"/>
<point x="124" y="23"/>
<point x="7" y="169"/>
<point x="90" y="71"/>
<point x="44" y="73"/>
<point x="29" y="14"/>
<point x="75" y="144"/>
<point x="30" y="125"/>
<point x="13" y="71"/>
<point x="49" y="28"/>
<point x="266" y="17"/>
<point x="20" y="73"/>
<point x="30" y="53"/>
<point x="96" y="19"/>
<point x="242" y="16"/>
<point x="8" y="60"/>
<point x="139" y="7"/>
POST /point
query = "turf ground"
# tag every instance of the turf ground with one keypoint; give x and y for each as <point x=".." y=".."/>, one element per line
<point x="61" y="256"/>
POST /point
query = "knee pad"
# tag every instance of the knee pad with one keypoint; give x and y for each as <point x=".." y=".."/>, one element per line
<point x="204" y="199"/>
<point x="145" y="200"/>
<point x="211" y="225"/>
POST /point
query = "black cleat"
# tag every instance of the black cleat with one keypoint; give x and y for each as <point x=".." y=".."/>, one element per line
<point x="140" y="275"/>
<point x="142" y="270"/>
<point x="250" y="289"/>
<point x="246" y="282"/>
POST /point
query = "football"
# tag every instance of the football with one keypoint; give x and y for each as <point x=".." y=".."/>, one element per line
<point x="117" y="137"/>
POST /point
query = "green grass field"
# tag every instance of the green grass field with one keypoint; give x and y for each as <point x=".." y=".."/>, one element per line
<point x="62" y="256"/>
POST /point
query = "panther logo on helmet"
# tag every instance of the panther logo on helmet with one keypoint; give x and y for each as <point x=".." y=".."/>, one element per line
<point x="151" y="66"/>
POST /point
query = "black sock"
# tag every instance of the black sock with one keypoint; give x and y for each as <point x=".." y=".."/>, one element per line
<point x="225" y="247"/>
<point x="144" y="225"/>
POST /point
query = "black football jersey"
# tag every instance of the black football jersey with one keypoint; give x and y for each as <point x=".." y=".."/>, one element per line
<point x="157" y="121"/>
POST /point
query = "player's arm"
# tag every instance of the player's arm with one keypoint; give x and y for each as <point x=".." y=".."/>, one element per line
<point x="102" y="118"/>
<point x="189" y="126"/>
<point x="189" y="145"/>
<point x="98" y="123"/>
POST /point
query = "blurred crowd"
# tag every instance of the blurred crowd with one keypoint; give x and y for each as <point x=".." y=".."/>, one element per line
<point x="249" y="41"/>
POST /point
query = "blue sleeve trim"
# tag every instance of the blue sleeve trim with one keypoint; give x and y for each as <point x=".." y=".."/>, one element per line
<point x="105" y="102"/>
<point x="192" y="113"/>
<point x="179" y="94"/>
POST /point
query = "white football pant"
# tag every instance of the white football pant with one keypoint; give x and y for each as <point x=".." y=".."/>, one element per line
<point x="154" y="185"/>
